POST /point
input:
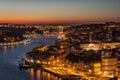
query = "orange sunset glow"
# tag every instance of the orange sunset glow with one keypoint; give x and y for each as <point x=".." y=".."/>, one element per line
<point x="78" y="11"/>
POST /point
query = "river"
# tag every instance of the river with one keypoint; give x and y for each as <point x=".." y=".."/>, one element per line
<point x="10" y="56"/>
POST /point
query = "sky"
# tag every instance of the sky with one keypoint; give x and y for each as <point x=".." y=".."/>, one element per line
<point x="59" y="11"/>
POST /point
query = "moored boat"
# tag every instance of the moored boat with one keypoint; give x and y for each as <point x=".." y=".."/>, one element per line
<point x="23" y="66"/>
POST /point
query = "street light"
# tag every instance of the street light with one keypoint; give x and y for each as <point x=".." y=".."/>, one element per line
<point x="32" y="60"/>
<point x="38" y="61"/>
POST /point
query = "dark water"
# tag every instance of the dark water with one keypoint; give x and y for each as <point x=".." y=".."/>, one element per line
<point x="10" y="56"/>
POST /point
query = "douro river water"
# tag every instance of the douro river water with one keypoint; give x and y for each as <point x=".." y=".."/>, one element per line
<point x="11" y="55"/>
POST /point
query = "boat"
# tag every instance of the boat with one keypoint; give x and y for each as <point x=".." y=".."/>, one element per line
<point x="23" y="66"/>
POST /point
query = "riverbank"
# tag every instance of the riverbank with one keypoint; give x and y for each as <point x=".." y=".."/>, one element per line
<point x="58" y="71"/>
<point x="64" y="74"/>
<point x="25" y="41"/>
<point x="61" y="74"/>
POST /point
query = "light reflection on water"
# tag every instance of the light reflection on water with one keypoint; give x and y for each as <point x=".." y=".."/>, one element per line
<point x="38" y="74"/>
<point x="10" y="56"/>
<point x="5" y="49"/>
<point x="41" y="75"/>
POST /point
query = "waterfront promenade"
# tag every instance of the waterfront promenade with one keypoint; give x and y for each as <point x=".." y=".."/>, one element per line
<point x="65" y="72"/>
<point x="25" y="41"/>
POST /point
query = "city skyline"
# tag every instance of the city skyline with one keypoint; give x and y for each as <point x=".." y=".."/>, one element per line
<point x="59" y="11"/>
